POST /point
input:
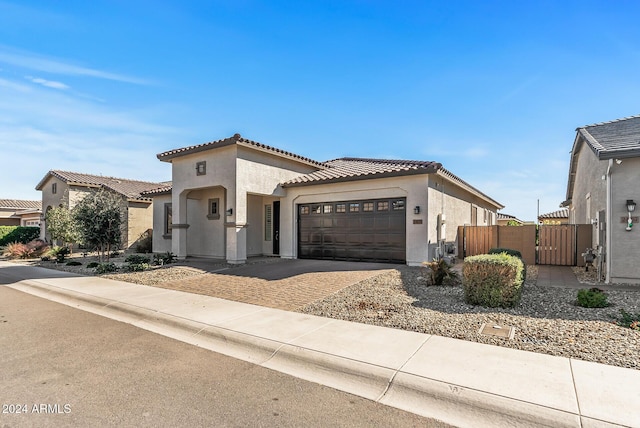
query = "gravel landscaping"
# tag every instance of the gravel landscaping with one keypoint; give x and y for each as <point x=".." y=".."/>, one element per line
<point x="546" y="320"/>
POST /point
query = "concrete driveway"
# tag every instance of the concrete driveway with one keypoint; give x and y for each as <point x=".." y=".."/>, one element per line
<point x="280" y="284"/>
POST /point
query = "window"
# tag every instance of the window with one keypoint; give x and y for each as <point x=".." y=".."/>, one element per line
<point x="383" y="205"/>
<point x="168" y="222"/>
<point x="398" y="205"/>
<point x="354" y="207"/>
<point x="201" y="168"/>
<point x="213" y="209"/>
<point x="327" y="208"/>
<point x="268" y="222"/>
<point x="316" y="209"/>
<point x="304" y="210"/>
<point x="367" y="206"/>
<point x="341" y="208"/>
<point x="54" y="188"/>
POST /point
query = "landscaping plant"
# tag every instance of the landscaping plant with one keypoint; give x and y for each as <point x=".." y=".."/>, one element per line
<point x="106" y="268"/>
<point x="440" y="273"/>
<point x="592" y="298"/>
<point x="493" y="280"/>
<point x="629" y="320"/>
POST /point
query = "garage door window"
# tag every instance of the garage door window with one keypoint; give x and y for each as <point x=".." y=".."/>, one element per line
<point x="398" y="205"/>
<point x="354" y="208"/>
<point x="327" y="209"/>
<point x="341" y="208"/>
<point x="304" y="210"/>
<point x="383" y="206"/>
<point x="367" y="206"/>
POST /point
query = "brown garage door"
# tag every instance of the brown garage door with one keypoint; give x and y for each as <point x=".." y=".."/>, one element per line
<point x="363" y="230"/>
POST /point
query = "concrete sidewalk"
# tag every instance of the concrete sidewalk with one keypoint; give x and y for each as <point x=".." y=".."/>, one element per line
<point x="461" y="383"/>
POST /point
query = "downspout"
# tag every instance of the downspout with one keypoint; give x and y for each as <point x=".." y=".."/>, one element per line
<point x="609" y="220"/>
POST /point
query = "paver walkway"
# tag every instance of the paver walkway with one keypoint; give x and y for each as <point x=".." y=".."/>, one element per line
<point x="286" y="284"/>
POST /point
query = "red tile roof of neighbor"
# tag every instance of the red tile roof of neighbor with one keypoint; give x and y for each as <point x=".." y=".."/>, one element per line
<point x="132" y="189"/>
<point x="561" y="213"/>
<point x="20" y="204"/>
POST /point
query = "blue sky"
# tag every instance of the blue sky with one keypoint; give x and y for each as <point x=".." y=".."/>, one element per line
<point x="491" y="89"/>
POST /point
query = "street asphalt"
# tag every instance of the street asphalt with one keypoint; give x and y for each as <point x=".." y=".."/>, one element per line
<point x="458" y="382"/>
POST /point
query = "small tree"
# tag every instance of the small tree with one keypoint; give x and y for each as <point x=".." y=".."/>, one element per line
<point x="99" y="219"/>
<point x="61" y="225"/>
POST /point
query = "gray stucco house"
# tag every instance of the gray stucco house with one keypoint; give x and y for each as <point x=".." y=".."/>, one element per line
<point x="234" y="198"/>
<point x="604" y="177"/>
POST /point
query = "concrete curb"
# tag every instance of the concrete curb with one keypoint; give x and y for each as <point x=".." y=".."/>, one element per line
<point x="394" y="384"/>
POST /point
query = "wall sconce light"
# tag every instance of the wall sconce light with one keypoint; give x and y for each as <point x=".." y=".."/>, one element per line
<point x="229" y="211"/>
<point x="416" y="210"/>
<point x="631" y="206"/>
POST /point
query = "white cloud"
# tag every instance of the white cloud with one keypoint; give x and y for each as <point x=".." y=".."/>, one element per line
<point x="38" y="62"/>
<point x="47" y="83"/>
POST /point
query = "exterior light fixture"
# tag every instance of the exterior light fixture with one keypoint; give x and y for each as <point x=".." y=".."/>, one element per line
<point x="416" y="210"/>
<point x="229" y="211"/>
<point x="631" y="206"/>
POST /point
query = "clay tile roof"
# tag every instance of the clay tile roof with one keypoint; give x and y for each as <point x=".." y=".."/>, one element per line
<point x="165" y="189"/>
<point x="235" y="139"/>
<point x="132" y="189"/>
<point x="561" y="213"/>
<point x="19" y="204"/>
<point x="346" y="169"/>
<point x="618" y="138"/>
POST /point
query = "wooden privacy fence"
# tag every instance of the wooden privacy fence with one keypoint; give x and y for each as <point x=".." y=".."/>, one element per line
<point x="558" y="245"/>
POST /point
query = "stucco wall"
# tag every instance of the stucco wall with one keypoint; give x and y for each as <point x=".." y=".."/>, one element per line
<point x="161" y="244"/>
<point x="205" y="236"/>
<point x="588" y="181"/>
<point x="625" y="246"/>
<point x="139" y="220"/>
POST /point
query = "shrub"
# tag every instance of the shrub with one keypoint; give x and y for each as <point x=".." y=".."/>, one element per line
<point x="45" y="258"/>
<point x="74" y="263"/>
<point x="114" y="254"/>
<point x="493" y="280"/>
<point x="136" y="267"/>
<point x="592" y="298"/>
<point x="34" y="248"/>
<point x="145" y="242"/>
<point x="514" y="253"/>
<point x="20" y="234"/>
<point x="137" y="259"/>
<point x="16" y="250"/>
<point x="628" y="320"/>
<point x="164" y="259"/>
<point x="60" y="253"/>
<point x="440" y="273"/>
<point x="106" y="268"/>
<point x="93" y="265"/>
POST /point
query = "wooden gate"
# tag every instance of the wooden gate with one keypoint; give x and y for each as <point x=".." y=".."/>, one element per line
<point x="557" y="245"/>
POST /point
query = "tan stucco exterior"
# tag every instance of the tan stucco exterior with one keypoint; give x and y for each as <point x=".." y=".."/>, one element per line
<point x="247" y="181"/>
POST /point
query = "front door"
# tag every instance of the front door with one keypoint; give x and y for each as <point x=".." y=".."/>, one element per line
<point x="276" y="227"/>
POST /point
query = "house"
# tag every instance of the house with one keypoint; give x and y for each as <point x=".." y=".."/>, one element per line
<point x="17" y="212"/>
<point x="504" y="219"/>
<point x="560" y="216"/>
<point x="235" y="198"/>
<point x="602" y="190"/>
<point x="64" y="188"/>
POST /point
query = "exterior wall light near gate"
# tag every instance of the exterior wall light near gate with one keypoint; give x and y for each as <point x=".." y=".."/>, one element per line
<point x="229" y="211"/>
<point x="631" y="206"/>
<point x="416" y="210"/>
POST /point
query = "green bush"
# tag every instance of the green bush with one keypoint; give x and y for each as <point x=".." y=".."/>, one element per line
<point x="20" y="234"/>
<point x="628" y="320"/>
<point x="592" y="298"/>
<point x="106" y="268"/>
<point x="93" y="265"/>
<point x="164" y="259"/>
<point x="60" y="253"/>
<point x="514" y="253"/>
<point x="440" y="273"/>
<point x="137" y="259"/>
<point x="74" y="263"/>
<point x="136" y="267"/>
<point x="493" y="280"/>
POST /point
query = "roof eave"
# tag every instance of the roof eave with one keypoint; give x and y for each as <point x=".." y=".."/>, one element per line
<point x="360" y="177"/>
<point x="443" y="172"/>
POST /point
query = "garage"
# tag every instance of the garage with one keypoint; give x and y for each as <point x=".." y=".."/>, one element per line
<point x="360" y="230"/>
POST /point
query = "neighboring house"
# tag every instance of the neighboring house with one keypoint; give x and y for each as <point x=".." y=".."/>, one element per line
<point x="560" y="216"/>
<point x="603" y="180"/>
<point x="235" y="198"/>
<point x="64" y="188"/>
<point x="17" y="212"/>
<point x="507" y="219"/>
